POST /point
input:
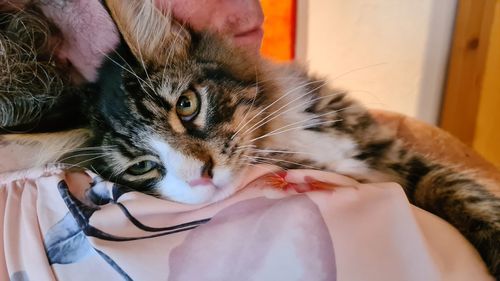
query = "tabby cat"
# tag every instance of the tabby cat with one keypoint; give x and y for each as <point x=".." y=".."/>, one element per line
<point x="182" y="115"/>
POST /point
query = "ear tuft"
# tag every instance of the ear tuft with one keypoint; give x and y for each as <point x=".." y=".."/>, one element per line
<point x="151" y="36"/>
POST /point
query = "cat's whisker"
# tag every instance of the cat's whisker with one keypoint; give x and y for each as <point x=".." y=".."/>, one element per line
<point x="143" y="64"/>
<point x="102" y="178"/>
<point x="126" y="69"/>
<point x="142" y="81"/>
<point x="90" y="159"/>
<point x="114" y="174"/>
<point x="130" y="68"/>
<point x="243" y="147"/>
<point x="280" y="151"/>
<point x="285" y="129"/>
<point x="238" y="129"/>
<point x="240" y="150"/>
<point x="99" y="154"/>
<point x="72" y="152"/>
<point x="289" y="92"/>
<point x="357" y="69"/>
<point x="83" y="153"/>
<point x="62" y="165"/>
<point x="280" y="98"/>
<point x="171" y="53"/>
<point x="111" y="178"/>
<point x="285" y="161"/>
<point x="313" y="118"/>
<point x="88" y="148"/>
<point x="280" y="131"/>
<point x="248" y="145"/>
<point x="95" y="147"/>
<point x="294" y="108"/>
<point x="69" y="166"/>
<point x="278" y="111"/>
<point x="271" y="170"/>
<point x="266" y="168"/>
<point x="254" y="161"/>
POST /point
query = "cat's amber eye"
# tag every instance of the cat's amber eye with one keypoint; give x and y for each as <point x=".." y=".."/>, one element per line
<point x="188" y="105"/>
<point x="141" y="168"/>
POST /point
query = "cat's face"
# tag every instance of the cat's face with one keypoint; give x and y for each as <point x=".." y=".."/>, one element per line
<point x="182" y="115"/>
<point x="182" y="131"/>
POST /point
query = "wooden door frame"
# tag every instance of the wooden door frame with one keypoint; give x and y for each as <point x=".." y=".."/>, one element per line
<point x="466" y="67"/>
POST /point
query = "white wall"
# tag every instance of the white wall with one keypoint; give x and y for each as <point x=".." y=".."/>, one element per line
<point x="391" y="54"/>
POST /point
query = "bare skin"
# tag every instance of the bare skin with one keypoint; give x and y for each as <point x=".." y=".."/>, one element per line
<point x="239" y="20"/>
<point x="89" y="32"/>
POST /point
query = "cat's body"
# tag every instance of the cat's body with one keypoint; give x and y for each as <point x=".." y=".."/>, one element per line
<point x="184" y="116"/>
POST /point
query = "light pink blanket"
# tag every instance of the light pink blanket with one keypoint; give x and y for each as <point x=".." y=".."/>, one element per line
<point x="74" y="226"/>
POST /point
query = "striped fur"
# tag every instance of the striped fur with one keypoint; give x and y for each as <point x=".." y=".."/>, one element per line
<point x="279" y="116"/>
<point x="251" y="112"/>
<point x="254" y="112"/>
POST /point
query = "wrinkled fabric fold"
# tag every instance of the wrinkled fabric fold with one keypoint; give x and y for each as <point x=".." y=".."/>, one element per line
<point x="308" y="225"/>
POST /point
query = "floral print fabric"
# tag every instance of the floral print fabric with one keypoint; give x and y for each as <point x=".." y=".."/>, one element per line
<point x="299" y="225"/>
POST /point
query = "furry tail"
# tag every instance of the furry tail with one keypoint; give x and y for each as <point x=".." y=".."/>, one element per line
<point x="464" y="202"/>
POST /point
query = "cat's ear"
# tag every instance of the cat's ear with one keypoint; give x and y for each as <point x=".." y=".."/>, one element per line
<point x="151" y="36"/>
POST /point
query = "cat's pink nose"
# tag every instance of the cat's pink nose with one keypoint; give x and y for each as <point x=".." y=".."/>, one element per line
<point x="200" y="181"/>
<point x="206" y="174"/>
<point x="206" y="170"/>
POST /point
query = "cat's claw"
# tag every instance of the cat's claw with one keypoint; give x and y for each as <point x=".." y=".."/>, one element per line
<point x="282" y="181"/>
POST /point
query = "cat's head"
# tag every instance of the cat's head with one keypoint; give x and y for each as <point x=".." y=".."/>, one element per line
<point x="178" y="112"/>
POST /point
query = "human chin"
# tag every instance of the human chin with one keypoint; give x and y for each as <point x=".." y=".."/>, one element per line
<point x="250" y="40"/>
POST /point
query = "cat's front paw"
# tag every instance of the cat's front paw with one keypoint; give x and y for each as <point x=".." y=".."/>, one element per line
<point x="290" y="181"/>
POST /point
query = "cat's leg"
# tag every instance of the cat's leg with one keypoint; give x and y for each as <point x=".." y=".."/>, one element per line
<point x="23" y="151"/>
<point x="300" y="181"/>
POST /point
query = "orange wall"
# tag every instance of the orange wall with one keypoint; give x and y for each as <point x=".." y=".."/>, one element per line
<point x="279" y="29"/>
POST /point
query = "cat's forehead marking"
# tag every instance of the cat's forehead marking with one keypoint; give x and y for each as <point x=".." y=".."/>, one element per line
<point x="172" y="155"/>
<point x="171" y="86"/>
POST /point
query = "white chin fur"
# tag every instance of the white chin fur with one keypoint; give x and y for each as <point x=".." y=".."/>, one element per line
<point x="175" y="189"/>
<point x="226" y="183"/>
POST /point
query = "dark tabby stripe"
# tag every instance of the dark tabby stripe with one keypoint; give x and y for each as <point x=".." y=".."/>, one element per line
<point x="468" y="206"/>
